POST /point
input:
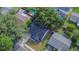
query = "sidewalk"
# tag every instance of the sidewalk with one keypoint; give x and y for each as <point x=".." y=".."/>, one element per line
<point x="28" y="47"/>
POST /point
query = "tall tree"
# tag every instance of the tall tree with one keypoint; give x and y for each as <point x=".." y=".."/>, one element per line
<point x="9" y="24"/>
<point x="75" y="38"/>
<point x="49" y="18"/>
<point x="5" y="42"/>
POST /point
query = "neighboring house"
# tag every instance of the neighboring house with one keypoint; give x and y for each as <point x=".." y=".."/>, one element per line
<point x="58" y="42"/>
<point x="5" y="10"/>
<point x="31" y="13"/>
<point x="75" y="18"/>
<point x="37" y="32"/>
<point x="63" y="11"/>
<point x="22" y="15"/>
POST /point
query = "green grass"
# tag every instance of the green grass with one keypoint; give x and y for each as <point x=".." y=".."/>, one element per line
<point x="76" y="9"/>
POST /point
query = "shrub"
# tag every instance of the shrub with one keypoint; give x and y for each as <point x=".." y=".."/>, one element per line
<point x="5" y="42"/>
<point x="75" y="38"/>
<point x="71" y="27"/>
<point x="68" y="34"/>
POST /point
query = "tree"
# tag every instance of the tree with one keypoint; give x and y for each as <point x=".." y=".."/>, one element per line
<point x="71" y="27"/>
<point x="75" y="38"/>
<point x="5" y="42"/>
<point x="14" y="10"/>
<point x="11" y="30"/>
<point x="68" y="34"/>
<point x="49" y="18"/>
<point x="28" y="9"/>
<point x="9" y="24"/>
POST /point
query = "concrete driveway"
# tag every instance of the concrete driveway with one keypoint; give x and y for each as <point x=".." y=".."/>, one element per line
<point x="21" y="46"/>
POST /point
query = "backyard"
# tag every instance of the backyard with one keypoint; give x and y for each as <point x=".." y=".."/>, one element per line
<point x="41" y="45"/>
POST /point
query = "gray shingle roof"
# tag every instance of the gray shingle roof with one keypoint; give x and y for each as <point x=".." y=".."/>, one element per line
<point x="5" y="10"/>
<point x="59" y="42"/>
<point x="74" y="18"/>
<point x="63" y="11"/>
<point x="66" y="9"/>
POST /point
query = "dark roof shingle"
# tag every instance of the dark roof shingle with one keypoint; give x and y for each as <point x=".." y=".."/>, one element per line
<point x="37" y="32"/>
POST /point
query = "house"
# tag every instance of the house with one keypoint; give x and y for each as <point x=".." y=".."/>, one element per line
<point x="75" y="18"/>
<point x="37" y="32"/>
<point x="5" y="10"/>
<point x="32" y="13"/>
<point x="63" y="11"/>
<point x="22" y="15"/>
<point x="58" y="42"/>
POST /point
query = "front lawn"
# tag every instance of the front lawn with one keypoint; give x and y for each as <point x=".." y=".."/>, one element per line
<point x="41" y="45"/>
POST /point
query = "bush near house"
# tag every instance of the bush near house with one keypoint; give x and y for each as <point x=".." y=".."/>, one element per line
<point x="27" y="23"/>
<point x="68" y="34"/>
<point x="68" y="30"/>
<point x="71" y="27"/>
<point x="75" y="38"/>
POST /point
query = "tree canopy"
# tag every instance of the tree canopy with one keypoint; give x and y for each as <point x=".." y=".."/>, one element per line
<point x="49" y="18"/>
<point x="5" y="42"/>
<point x="75" y="38"/>
<point x="9" y="25"/>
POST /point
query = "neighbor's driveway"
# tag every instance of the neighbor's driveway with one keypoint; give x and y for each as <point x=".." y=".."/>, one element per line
<point x="21" y="46"/>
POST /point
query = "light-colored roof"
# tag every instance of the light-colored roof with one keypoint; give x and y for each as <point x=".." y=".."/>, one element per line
<point x="75" y="14"/>
<point x="21" y="11"/>
<point x="66" y="9"/>
<point x="59" y="42"/>
<point x="78" y="24"/>
<point x="75" y="17"/>
<point x="22" y="16"/>
<point x="5" y="10"/>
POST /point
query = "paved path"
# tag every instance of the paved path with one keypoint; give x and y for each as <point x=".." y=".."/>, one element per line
<point x="21" y="46"/>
